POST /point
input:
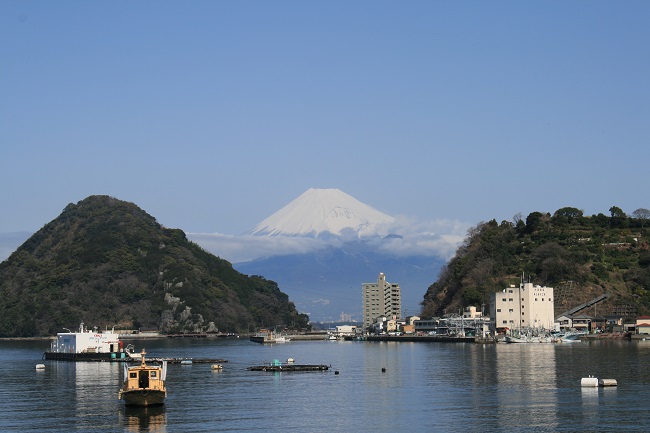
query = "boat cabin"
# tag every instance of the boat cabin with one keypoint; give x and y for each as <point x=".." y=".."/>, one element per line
<point x="151" y="377"/>
<point x="86" y="341"/>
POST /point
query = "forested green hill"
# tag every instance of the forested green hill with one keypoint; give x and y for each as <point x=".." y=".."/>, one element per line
<point x="108" y="263"/>
<point x="580" y="256"/>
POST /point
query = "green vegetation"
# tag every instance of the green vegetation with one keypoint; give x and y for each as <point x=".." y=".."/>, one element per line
<point x="581" y="257"/>
<point x="108" y="263"/>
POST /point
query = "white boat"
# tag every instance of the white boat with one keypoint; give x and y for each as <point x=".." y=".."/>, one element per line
<point x="513" y="339"/>
<point x="534" y="336"/>
<point x="572" y="337"/>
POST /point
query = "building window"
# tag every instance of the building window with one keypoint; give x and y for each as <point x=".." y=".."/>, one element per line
<point x="498" y="310"/>
<point x="510" y="310"/>
<point x="504" y="299"/>
<point x="510" y="300"/>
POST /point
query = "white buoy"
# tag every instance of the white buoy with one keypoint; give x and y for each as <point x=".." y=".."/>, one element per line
<point x="40" y="366"/>
<point x="217" y="367"/>
<point x="589" y="381"/>
<point x="607" y="382"/>
<point x="290" y="360"/>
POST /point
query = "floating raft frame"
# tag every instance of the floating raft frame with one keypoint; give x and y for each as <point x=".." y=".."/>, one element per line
<point x="187" y="361"/>
<point x="289" y="367"/>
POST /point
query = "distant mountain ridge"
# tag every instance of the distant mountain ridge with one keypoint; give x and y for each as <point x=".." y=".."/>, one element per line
<point x="108" y="263"/>
<point x="319" y="212"/>
<point x="327" y="282"/>
<point x="357" y="246"/>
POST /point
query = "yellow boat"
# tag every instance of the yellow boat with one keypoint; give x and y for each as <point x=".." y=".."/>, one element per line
<point x="144" y="385"/>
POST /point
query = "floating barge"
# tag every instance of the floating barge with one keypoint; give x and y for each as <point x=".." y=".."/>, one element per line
<point x="105" y="346"/>
<point x="87" y="345"/>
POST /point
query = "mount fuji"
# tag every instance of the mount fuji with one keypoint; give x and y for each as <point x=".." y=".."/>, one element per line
<point x="325" y="212"/>
<point x="355" y="243"/>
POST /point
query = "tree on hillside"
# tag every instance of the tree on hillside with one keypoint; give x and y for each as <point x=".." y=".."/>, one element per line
<point x="617" y="212"/>
<point x="566" y="215"/>
<point x="569" y="213"/>
<point x="642" y="214"/>
<point x="619" y="218"/>
<point x="533" y="221"/>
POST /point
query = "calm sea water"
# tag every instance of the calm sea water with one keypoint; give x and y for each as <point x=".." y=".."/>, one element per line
<point x="426" y="387"/>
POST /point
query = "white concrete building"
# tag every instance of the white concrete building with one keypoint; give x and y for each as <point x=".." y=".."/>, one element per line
<point x="526" y="306"/>
<point x="346" y="330"/>
<point x="380" y="299"/>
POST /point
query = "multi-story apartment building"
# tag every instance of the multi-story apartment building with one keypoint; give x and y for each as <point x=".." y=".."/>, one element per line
<point x="526" y="306"/>
<point x="380" y="299"/>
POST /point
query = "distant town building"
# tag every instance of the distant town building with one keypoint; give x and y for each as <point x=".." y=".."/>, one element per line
<point x="346" y="330"/>
<point x="471" y="313"/>
<point x="380" y="299"/>
<point x="643" y="325"/>
<point x="624" y="310"/>
<point x="526" y="306"/>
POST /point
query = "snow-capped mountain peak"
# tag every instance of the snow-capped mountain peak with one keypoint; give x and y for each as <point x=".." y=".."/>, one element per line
<point x="319" y="212"/>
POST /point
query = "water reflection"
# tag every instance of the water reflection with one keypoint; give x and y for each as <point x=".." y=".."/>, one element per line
<point x="144" y="419"/>
<point x="526" y="376"/>
<point x="96" y="385"/>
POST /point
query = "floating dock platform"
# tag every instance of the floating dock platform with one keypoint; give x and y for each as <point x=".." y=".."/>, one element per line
<point x="187" y="361"/>
<point x="289" y="367"/>
<point x="106" y="357"/>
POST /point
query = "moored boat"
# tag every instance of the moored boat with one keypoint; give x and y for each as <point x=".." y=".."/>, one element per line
<point x="513" y="339"/>
<point x="268" y="336"/>
<point x="533" y="336"/>
<point x="571" y="337"/>
<point x="144" y="385"/>
<point x="87" y="345"/>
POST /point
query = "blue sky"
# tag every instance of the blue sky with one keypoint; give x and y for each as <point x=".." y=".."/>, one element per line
<point x="211" y="115"/>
